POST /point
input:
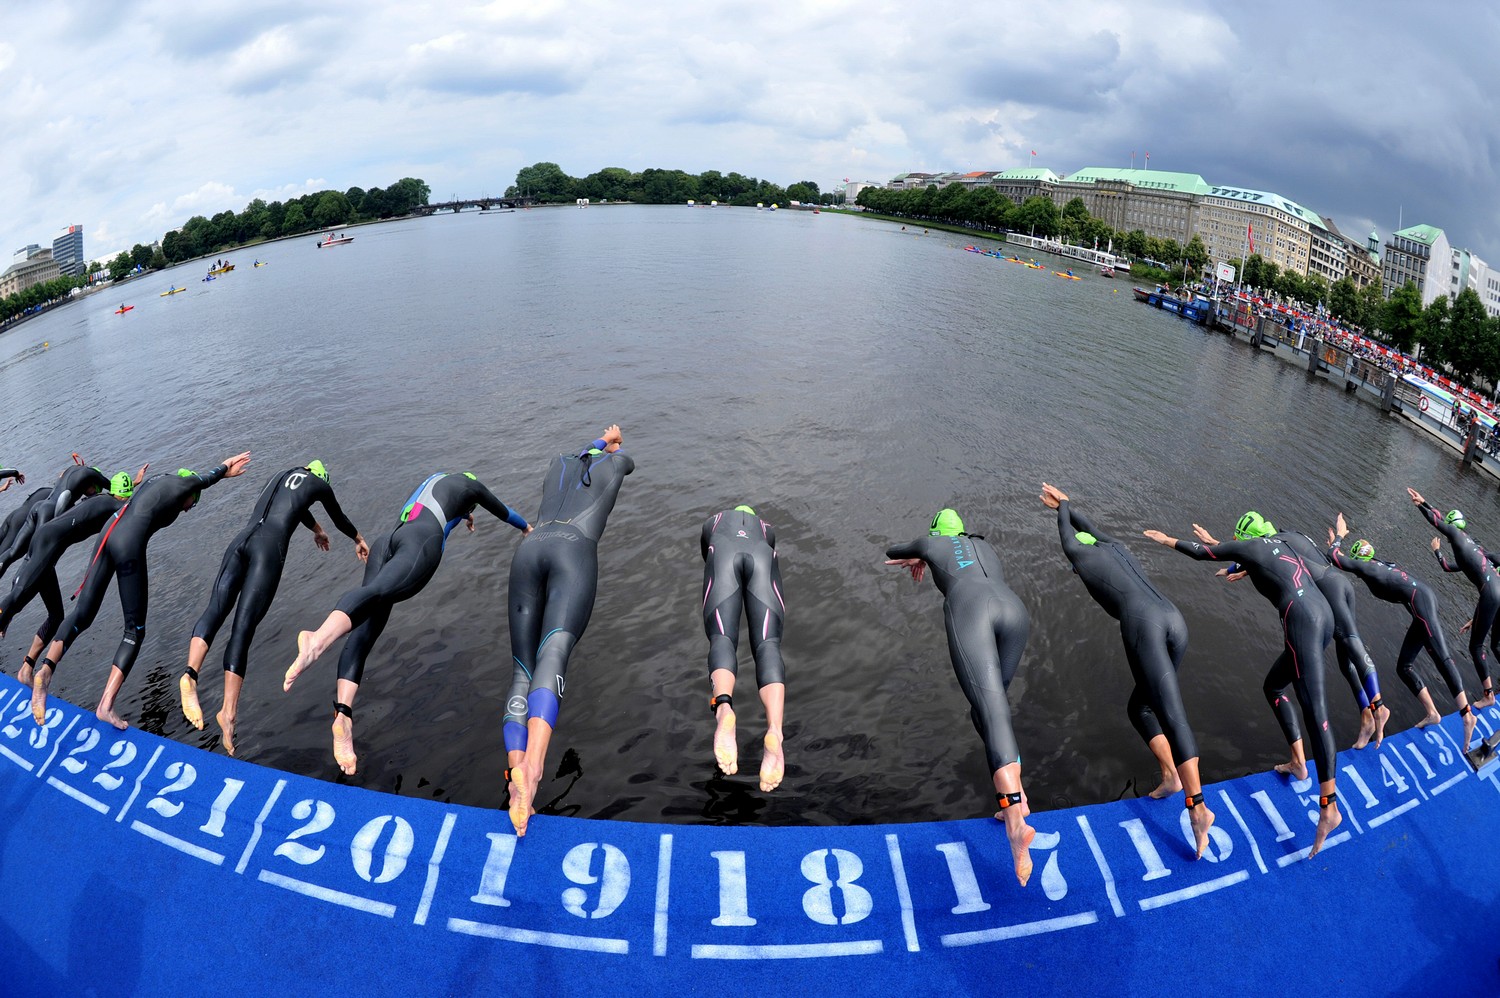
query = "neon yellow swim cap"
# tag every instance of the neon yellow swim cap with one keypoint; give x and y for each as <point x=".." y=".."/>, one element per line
<point x="1363" y="550"/>
<point x="744" y="509"/>
<point x="1251" y="525"/>
<point x="121" y="485"/>
<point x="316" y="467"/>
<point x="1084" y="537"/>
<point x="947" y="523"/>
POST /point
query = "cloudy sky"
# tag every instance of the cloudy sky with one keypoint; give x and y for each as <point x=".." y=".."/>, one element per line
<point x="129" y="116"/>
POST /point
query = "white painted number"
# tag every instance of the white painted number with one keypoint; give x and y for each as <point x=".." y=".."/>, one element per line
<point x="496" y="868"/>
<point x="1416" y="754"/>
<point x="818" y="901"/>
<point x="123" y="753"/>
<point x="1361" y="786"/>
<point x="1390" y="777"/>
<point x="39" y="734"/>
<point x="296" y="851"/>
<point x="182" y="774"/>
<point x="613" y="881"/>
<point x="734" y="900"/>
<point x="1146" y="849"/>
<point x="1053" y="884"/>
<point x="362" y="849"/>
<point x="87" y="739"/>
<point x="215" y="824"/>
<point x="1220" y="845"/>
<point x="1445" y="758"/>
<point x="1278" y="823"/>
<point x="965" y="884"/>
<point x="10" y="730"/>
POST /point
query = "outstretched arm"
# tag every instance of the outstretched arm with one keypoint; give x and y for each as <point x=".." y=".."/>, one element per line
<point x="492" y="505"/>
<point x="909" y="557"/>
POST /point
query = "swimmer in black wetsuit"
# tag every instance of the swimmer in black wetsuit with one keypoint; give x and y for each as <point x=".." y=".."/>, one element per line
<point x="77" y="481"/>
<point x="121" y="552"/>
<point x="553" y="579"/>
<point x="1353" y="658"/>
<point x="1307" y="627"/>
<point x="987" y="630"/>
<point x="1388" y="582"/>
<point x="741" y="571"/>
<point x="400" y="564"/>
<point x="1469" y="557"/>
<point x="8" y="475"/>
<point x="1155" y="637"/>
<point x="38" y="572"/>
<point x="16" y="518"/>
<point x="250" y="573"/>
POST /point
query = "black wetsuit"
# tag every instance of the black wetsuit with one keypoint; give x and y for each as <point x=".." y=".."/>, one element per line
<point x="741" y="570"/>
<point x="1470" y="559"/>
<point x="553" y="579"/>
<point x="1353" y="658"/>
<point x="156" y="503"/>
<point x="38" y="572"/>
<point x="987" y="630"/>
<point x="1280" y="576"/>
<point x="16" y="519"/>
<point x="75" y="483"/>
<point x="1152" y="628"/>
<point x="252" y="565"/>
<point x="404" y="560"/>
<point x="9" y="473"/>
<point x="1391" y="584"/>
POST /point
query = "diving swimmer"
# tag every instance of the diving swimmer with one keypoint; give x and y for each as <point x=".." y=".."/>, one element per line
<point x="553" y="580"/>
<point x="38" y="572"/>
<point x="1155" y="638"/>
<point x="987" y="630"/>
<point x="741" y="572"/>
<point x="75" y="482"/>
<point x="400" y="564"/>
<point x="1390" y="583"/>
<point x="1469" y="557"/>
<point x="157" y="503"/>
<point x="250" y="573"/>
<point x="1307" y="627"/>
<point x="9" y="475"/>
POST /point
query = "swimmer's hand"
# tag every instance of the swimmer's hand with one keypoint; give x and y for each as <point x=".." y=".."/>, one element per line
<point x="236" y="465"/>
<point x="1436" y="543"/>
<point x="527" y="531"/>
<point x="140" y="475"/>
<point x="1159" y="537"/>
<point x="612" y="438"/>
<point x="1466" y="625"/>
<point x="470" y="519"/>
<point x="320" y="538"/>
<point x="1203" y="535"/>
<point x="361" y="549"/>
<point x="1340" y="527"/>
<point x="916" y="566"/>
<point x="1052" y="497"/>
<point x="1416" y="497"/>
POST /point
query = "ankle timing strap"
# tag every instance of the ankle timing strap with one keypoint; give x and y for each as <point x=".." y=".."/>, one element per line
<point x="1465" y="710"/>
<point x="1328" y="801"/>
<point x="1007" y="800"/>
<point x="29" y="661"/>
<point x="192" y="674"/>
<point x="1194" y="800"/>
<point x="345" y="709"/>
<point x="724" y="698"/>
<point x="1376" y="704"/>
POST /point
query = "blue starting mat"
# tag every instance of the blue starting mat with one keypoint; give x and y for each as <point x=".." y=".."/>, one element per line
<point x="134" y="865"/>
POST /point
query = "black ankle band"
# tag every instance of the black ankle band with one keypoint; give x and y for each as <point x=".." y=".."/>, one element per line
<point x="345" y="709"/>
<point x="192" y="674"/>
<point x="1465" y="711"/>
<point x="1007" y="800"/>
<point x="1376" y="704"/>
<point x="724" y="698"/>
<point x="1330" y="799"/>
<point x="29" y="661"/>
<point x="1194" y="800"/>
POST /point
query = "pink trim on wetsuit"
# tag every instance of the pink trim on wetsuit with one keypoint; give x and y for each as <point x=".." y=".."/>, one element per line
<point x="777" y="590"/>
<point x="707" y="591"/>
<point x="719" y="620"/>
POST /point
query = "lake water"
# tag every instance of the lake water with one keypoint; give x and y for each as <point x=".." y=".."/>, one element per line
<point x="844" y="377"/>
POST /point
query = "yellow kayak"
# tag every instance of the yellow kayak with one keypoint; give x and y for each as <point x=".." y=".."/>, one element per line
<point x="174" y="291"/>
<point x="222" y="270"/>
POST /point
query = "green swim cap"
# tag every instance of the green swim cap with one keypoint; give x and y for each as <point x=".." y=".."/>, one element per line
<point x="121" y="485"/>
<point x="947" y="523"/>
<point x="744" y="509"/>
<point x="1084" y="537"/>
<point x="1363" y="550"/>
<point x="1456" y="518"/>
<point x="471" y="476"/>
<point x="187" y="473"/>
<point x="316" y="467"/>
<point x="1251" y="525"/>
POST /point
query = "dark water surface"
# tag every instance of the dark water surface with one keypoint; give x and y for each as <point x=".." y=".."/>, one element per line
<point x="845" y="378"/>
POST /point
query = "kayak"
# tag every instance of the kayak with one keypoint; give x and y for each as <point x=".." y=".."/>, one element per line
<point x="222" y="270"/>
<point x="263" y="264"/>
<point x="210" y="279"/>
<point x="1071" y="277"/>
<point x="122" y="310"/>
<point x="174" y="291"/>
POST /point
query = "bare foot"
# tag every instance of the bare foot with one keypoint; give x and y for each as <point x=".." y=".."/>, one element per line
<point x="109" y="716"/>
<point x="226" y="726"/>
<point x="40" y="680"/>
<point x="1487" y="700"/>
<point x="1168" y="787"/>
<point x="1328" y="820"/>
<point x="24" y="675"/>
<point x="1020" y="835"/>
<point x="1382" y="714"/>
<point x="1431" y="718"/>
<point x="1366" y="728"/>
<point x="1470" y="722"/>
<point x="520" y="798"/>
<point x="188" y="687"/>
<point x="726" y="750"/>
<point x="343" y="742"/>
<point x="1202" y="820"/>
<point x="772" y="764"/>
<point x="307" y="654"/>
<point x="1296" y="770"/>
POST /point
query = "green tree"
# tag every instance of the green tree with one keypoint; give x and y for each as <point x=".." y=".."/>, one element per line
<point x="1074" y="219"/>
<point x="804" y="192"/>
<point x="1468" y="329"/>
<point x="544" y="182"/>
<point x="1343" y="299"/>
<point x="1037" y="216"/>
<point x="1372" y="305"/>
<point x="1401" y="317"/>
<point x="1433" y="332"/>
<point x="1135" y="243"/>
<point x="295" y="219"/>
<point x="1196" y="253"/>
<point x="119" y="266"/>
<point x="407" y="193"/>
<point x="332" y="210"/>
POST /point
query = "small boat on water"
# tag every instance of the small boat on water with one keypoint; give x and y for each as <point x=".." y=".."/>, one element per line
<point x="1035" y="266"/>
<point x="1196" y="309"/>
<point x="222" y="270"/>
<point x="171" y="291"/>
<point x="331" y="241"/>
<point x="1106" y="271"/>
<point x="259" y="264"/>
<point x="123" y="309"/>
<point x="1071" y="277"/>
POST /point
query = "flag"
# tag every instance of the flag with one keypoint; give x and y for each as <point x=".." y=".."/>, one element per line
<point x="1250" y="235"/>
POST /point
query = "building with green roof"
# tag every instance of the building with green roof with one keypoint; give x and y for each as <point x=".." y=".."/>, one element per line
<point x="1159" y="203"/>
<point x="1422" y="255"/>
